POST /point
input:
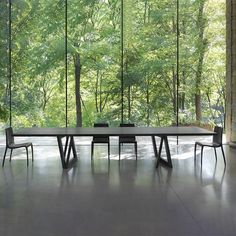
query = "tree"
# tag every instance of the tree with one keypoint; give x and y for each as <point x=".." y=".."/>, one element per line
<point x="94" y="66"/>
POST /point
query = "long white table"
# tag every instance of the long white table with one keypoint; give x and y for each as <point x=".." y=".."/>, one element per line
<point x="69" y="134"/>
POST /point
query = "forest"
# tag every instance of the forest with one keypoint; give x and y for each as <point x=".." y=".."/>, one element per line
<point x="76" y="62"/>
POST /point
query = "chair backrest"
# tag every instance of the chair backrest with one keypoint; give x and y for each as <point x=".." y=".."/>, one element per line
<point x="127" y="125"/>
<point x="100" y="125"/>
<point x="217" y="138"/>
<point x="131" y="137"/>
<point x="9" y="136"/>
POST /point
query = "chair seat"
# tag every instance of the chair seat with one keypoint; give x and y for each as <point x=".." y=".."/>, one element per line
<point x="127" y="139"/>
<point x="100" y="140"/>
<point x="216" y="142"/>
<point x="208" y="144"/>
<point x="19" y="145"/>
<point x="10" y="144"/>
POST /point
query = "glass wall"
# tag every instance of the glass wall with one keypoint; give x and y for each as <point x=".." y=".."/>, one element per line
<point x="150" y="62"/>
<point x="38" y="71"/>
<point x="4" y="61"/>
<point x="94" y="59"/>
<point x="202" y="58"/>
<point x="76" y="62"/>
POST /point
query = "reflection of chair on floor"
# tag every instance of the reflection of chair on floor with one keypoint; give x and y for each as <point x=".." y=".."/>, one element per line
<point x="10" y="143"/>
<point x="127" y="139"/>
<point x="100" y="139"/>
<point x="216" y="142"/>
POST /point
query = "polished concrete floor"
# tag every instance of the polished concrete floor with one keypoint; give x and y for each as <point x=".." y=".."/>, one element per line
<point x="127" y="197"/>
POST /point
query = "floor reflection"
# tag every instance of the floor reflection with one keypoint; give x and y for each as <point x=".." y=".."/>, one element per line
<point x="126" y="197"/>
<point x="114" y="173"/>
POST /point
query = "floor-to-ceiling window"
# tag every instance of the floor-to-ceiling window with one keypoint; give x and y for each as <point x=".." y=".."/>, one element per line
<point x="94" y="61"/>
<point x="150" y="62"/>
<point x="38" y="71"/>
<point x="202" y="58"/>
<point x="4" y="62"/>
<point x="76" y="62"/>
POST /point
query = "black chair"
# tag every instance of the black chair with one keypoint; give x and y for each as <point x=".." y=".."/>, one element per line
<point x="216" y="142"/>
<point x="10" y="143"/>
<point x="128" y="139"/>
<point x="100" y="139"/>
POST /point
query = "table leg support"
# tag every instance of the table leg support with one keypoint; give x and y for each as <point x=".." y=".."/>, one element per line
<point x="161" y="160"/>
<point x="154" y="146"/>
<point x="168" y="155"/>
<point x="65" y="151"/>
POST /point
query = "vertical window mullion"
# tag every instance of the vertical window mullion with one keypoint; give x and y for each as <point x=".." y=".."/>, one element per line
<point x="66" y="63"/>
<point x="122" y="61"/>
<point x="177" y="62"/>
<point x="9" y="57"/>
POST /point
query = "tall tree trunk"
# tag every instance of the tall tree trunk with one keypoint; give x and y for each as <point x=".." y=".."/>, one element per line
<point x="129" y="93"/>
<point x="148" y="102"/>
<point x="96" y="92"/>
<point x="198" y="109"/>
<point x="146" y="20"/>
<point x="77" y="91"/>
<point x="100" y="93"/>
<point x="174" y="102"/>
<point x="182" y="95"/>
<point x="184" y="70"/>
<point x="201" y="52"/>
<point x="129" y="102"/>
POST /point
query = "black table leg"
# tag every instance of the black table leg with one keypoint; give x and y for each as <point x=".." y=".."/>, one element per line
<point x="154" y="146"/>
<point x="168" y="155"/>
<point x="161" y="160"/>
<point x="65" y="151"/>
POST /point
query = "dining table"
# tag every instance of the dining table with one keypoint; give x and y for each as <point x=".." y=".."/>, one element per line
<point x="67" y="148"/>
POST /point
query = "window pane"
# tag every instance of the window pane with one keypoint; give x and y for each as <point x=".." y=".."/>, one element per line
<point x="4" y="62"/>
<point x="202" y="62"/>
<point x="150" y="62"/>
<point x="93" y="62"/>
<point x="97" y="65"/>
<point x="38" y="71"/>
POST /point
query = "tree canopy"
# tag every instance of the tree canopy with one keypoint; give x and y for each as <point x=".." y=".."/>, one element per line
<point x="75" y="64"/>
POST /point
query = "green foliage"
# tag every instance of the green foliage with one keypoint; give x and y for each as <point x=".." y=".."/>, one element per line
<point x="39" y="79"/>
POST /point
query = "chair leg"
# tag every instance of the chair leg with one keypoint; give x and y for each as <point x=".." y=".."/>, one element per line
<point x="92" y="146"/>
<point x="32" y="150"/>
<point x="136" y="150"/>
<point x="119" y="150"/>
<point x="10" y="155"/>
<point x="215" y="153"/>
<point x="195" y="148"/>
<point x="27" y="156"/>
<point x="201" y="154"/>
<point x="4" y="156"/>
<point x="109" y="151"/>
<point x="223" y="154"/>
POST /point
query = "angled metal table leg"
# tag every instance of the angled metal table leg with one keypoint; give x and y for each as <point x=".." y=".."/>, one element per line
<point x="168" y="155"/>
<point x="155" y="151"/>
<point x="65" y="151"/>
<point x="161" y="160"/>
<point x="154" y="146"/>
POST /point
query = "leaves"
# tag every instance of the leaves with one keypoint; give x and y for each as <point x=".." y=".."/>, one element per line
<point x="149" y="70"/>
